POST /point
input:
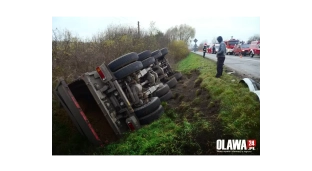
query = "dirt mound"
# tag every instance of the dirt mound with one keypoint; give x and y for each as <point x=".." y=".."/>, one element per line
<point x="188" y="91"/>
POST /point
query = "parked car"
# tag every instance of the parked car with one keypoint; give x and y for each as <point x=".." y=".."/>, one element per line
<point x="118" y="97"/>
<point x="245" y="49"/>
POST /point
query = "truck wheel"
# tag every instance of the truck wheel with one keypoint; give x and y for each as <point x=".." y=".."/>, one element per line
<point x="152" y="117"/>
<point x="156" y="54"/>
<point x="172" y="82"/>
<point x="162" y="90"/>
<point x="144" y="55"/>
<point x="167" y="96"/>
<point x="147" y="62"/>
<point x="178" y="75"/>
<point x="164" y="51"/>
<point x="123" y="61"/>
<point x="158" y="71"/>
<point x="148" y="108"/>
<point x="129" y="69"/>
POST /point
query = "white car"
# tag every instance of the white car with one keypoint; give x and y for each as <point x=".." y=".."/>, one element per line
<point x="217" y="47"/>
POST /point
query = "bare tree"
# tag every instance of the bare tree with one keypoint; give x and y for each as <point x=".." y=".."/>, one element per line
<point x="186" y="32"/>
<point x="182" y="32"/>
<point x="255" y="37"/>
<point x="153" y="29"/>
<point x="172" y="33"/>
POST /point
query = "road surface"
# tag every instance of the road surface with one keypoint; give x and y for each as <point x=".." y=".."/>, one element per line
<point x="247" y="66"/>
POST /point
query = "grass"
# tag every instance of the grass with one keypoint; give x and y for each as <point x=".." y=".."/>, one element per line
<point x="240" y="109"/>
<point x="184" y="130"/>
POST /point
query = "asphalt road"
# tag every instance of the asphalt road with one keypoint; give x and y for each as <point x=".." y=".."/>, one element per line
<point x="247" y="66"/>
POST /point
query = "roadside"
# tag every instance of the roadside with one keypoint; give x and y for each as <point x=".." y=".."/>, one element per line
<point x="242" y="67"/>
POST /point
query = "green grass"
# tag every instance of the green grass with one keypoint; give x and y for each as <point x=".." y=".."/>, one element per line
<point x="181" y="131"/>
<point x="240" y="109"/>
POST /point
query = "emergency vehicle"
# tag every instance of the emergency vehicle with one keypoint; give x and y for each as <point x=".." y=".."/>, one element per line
<point x="237" y="50"/>
<point x="230" y="44"/>
<point x="245" y="49"/>
<point x="209" y="48"/>
<point x="254" y="48"/>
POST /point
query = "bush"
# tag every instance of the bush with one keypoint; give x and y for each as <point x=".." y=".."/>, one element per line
<point x="72" y="56"/>
<point x="177" y="51"/>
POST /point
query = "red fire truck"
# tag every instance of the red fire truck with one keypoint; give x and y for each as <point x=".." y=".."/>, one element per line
<point x="230" y="45"/>
<point x="254" y="48"/>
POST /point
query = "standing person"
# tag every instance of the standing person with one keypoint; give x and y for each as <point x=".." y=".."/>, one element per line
<point x="204" y="50"/>
<point x="213" y="49"/>
<point x="221" y="57"/>
<point x="252" y="53"/>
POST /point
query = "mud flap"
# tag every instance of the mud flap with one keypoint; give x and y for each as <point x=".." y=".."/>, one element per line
<point x="75" y="112"/>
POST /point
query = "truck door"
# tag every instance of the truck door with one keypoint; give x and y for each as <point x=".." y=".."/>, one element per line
<point x="75" y="112"/>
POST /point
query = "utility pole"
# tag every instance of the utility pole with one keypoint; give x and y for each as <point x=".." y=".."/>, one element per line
<point x="139" y="28"/>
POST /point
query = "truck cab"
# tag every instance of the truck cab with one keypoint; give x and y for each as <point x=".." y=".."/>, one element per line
<point x="230" y="44"/>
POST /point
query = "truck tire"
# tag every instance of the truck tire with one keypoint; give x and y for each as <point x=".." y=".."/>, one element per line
<point x="158" y="71"/>
<point x="166" y="97"/>
<point x="152" y="116"/>
<point x="164" y="51"/>
<point x="147" y="62"/>
<point x="123" y="61"/>
<point x="129" y="69"/>
<point x="156" y="54"/>
<point x="162" y="90"/>
<point x="172" y="82"/>
<point x="178" y="75"/>
<point x="144" y="55"/>
<point x="148" y="108"/>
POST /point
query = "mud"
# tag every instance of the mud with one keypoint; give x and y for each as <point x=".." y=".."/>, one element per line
<point x="195" y="103"/>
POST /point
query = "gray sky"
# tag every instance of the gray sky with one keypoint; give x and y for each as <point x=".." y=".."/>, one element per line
<point x="206" y="27"/>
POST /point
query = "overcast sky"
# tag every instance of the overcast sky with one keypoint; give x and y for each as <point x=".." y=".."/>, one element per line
<point x="206" y="27"/>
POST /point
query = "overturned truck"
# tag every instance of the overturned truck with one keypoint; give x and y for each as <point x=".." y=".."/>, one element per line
<point x="119" y="97"/>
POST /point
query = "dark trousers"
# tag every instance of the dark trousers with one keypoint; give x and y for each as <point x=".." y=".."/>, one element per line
<point x="220" y="66"/>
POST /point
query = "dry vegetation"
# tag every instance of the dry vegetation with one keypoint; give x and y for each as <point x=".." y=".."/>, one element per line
<point x="72" y="56"/>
